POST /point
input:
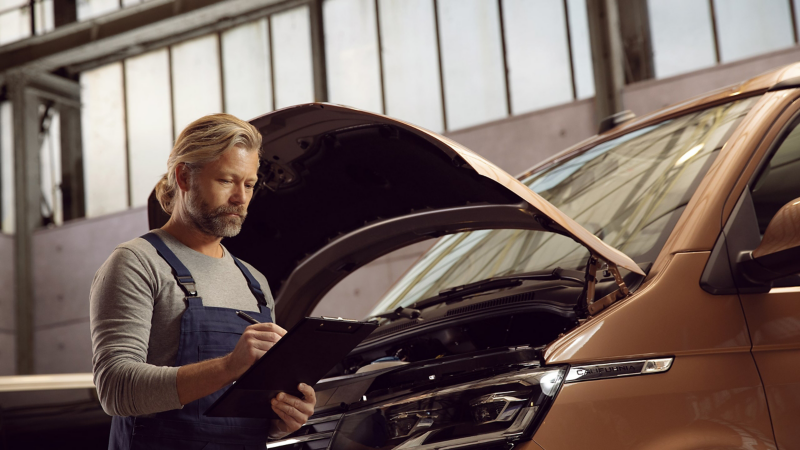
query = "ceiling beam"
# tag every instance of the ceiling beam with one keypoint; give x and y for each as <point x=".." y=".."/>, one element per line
<point x="131" y="31"/>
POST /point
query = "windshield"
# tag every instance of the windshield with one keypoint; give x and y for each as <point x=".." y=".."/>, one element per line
<point x="628" y="191"/>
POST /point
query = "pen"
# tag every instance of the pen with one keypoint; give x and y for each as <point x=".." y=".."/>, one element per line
<point x="247" y="317"/>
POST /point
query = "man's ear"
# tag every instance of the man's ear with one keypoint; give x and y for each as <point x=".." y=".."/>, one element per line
<point x="182" y="176"/>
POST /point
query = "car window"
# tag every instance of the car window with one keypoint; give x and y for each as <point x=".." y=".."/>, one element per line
<point x="779" y="182"/>
<point x="628" y="191"/>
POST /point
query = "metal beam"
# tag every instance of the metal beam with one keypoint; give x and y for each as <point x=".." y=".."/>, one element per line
<point x="318" y="52"/>
<point x="607" y="56"/>
<point x="73" y="196"/>
<point x="28" y="214"/>
<point x="131" y="31"/>
<point x="27" y="91"/>
<point x="637" y="45"/>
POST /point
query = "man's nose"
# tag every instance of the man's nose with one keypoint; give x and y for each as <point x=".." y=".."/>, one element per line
<point x="239" y="195"/>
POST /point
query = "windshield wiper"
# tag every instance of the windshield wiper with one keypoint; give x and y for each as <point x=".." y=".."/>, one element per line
<point x="490" y="284"/>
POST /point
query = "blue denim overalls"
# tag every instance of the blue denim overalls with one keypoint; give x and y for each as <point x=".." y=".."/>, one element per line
<point x="206" y="333"/>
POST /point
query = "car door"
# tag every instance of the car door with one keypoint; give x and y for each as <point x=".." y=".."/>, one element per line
<point x="773" y="312"/>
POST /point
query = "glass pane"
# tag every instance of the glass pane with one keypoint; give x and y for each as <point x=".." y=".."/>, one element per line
<point x="778" y="184"/>
<point x="149" y="115"/>
<point x="88" y="9"/>
<point x="472" y="62"/>
<point x="411" y="62"/>
<point x="102" y="120"/>
<point x="651" y="171"/>
<point x="747" y="28"/>
<point x="351" y="54"/>
<point x="6" y="168"/>
<point x="537" y="54"/>
<point x="14" y="25"/>
<point x="196" y="80"/>
<point x="291" y="47"/>
<point x="581" y="48"/>
<point x="245" y="60"/>
<point x="682" y="36"/>
<point x="8" y="4"/>
<point x="50" y="163"/>
<point x="45" y="20"/>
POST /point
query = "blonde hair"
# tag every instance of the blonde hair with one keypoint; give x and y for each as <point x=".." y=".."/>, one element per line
<point x="201" y="142"/>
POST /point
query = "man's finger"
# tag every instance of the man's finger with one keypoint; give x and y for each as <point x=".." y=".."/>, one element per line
<point x="266" y="336"/>
<point x="289" y="425"/>
<point x="308" y="393"/>
<point x="290" y="411"/>
<point x="271" y="327"/>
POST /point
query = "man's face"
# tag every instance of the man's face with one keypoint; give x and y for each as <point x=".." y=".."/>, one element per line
<point x="220" y="192"/>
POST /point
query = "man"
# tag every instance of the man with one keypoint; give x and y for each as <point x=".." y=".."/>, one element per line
<point x="165" y="333"/>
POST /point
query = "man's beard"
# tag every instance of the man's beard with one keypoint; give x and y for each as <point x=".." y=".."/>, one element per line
<point x="215" y="222"/>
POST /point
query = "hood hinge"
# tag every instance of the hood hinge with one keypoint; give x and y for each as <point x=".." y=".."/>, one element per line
<point x="587" y="305"/>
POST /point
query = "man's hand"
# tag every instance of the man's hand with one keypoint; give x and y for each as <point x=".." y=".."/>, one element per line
<point x="292" y="411"/>
<point x="254" y="342"/>
<point x="205" y="377"/>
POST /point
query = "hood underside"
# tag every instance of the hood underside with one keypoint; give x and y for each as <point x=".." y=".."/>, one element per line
<point x="340" y="187"/>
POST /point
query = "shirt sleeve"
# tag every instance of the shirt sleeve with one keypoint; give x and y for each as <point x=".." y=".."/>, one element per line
<point x="121" y="309"/>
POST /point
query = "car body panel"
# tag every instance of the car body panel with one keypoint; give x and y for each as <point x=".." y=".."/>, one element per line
<point x="704" y="401"/>
<point x="671" y="315"/>
<point x="774" y="321"/>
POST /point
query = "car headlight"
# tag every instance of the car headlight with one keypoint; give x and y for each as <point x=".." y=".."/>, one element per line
<point x="504" y="408"/>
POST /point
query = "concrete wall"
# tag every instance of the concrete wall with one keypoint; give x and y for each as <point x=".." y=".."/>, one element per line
<point x="652" y="95"/>
<point x="8" y="359"/>
<point x="65" y="261"/>
<point x="516" y="143"/>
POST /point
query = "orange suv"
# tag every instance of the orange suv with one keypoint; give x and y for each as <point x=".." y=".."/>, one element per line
<point x="637" y="291"/>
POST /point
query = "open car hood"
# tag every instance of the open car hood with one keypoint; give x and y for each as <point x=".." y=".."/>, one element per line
<point x="340" y="187"/>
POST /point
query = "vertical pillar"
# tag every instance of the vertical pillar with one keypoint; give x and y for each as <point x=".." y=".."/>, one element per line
<point x="634" y="21"/>
<point x="607" y="56"/>
<point x="318" y="52"/>
<point x="65" y="12"/>
<point x="28" y="213"/>
<point x="27" y="90"/>
<point x="72" y="183"/>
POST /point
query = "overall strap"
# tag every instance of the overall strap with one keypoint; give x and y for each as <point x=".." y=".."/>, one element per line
<point x="182" y="274"/>
<point x="252" y="283"/>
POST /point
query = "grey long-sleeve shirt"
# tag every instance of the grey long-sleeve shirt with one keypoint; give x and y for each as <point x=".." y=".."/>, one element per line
<point x="135" y="315"/>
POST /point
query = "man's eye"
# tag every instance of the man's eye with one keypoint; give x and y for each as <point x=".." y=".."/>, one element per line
<point x="226" y="181"/>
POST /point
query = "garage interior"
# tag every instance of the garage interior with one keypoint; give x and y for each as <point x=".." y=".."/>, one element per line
<point x="94" y="92"/>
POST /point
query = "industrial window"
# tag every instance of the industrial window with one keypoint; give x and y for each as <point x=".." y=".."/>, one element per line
<point x="582" y="68"/>
<point x="351" y="54"/>
<point x="103" y="127"/>
<point x="291" y="47"/>
<point x="89" y="9"/>
<point x="412" y="87"/>
<point x="149" y="116"/>
<point x="197" y="90"/>
<point x="246" y="70"/>
<point x="6" y="168"/>
<point x="537" y="54"/>
<point x="472" y="62"/>
<point x="15" y="21"/>
<point x="682" y="38"/>
<point x="746" y="28"/>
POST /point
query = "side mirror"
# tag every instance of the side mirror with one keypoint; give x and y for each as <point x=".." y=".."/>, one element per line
<point x="778" y="255"/>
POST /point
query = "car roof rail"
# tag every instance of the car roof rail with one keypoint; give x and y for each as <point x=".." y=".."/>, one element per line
<point x="615" y="120"/>
<point x="791" y="83"/>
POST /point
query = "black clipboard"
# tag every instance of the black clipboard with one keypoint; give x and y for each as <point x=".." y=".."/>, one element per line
<point x="304" y="355"/>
